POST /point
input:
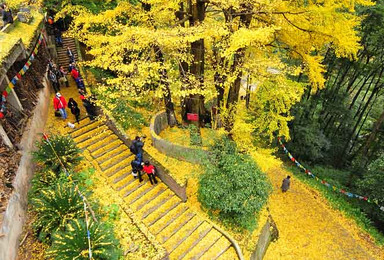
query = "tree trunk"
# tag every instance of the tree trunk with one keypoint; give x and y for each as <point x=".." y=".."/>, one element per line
<point x="169" y="106"/>
<point x="195" y="103"/>
<point x="234" y="90"/>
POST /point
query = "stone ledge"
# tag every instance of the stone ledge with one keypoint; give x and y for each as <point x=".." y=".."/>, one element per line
<point x="158" y="123"/>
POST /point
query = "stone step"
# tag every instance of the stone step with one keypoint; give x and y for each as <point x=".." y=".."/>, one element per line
<point x="112" y="153"/>
<point x="175" y="226"/>
<point x="94" y="139"/>
<point x="204" y="245"/>
<point x="133" y="186"/>
<point x="179" y="236"/>
<point x="124" y="164"/>
<point x="116" y="179"/>
<point x="230" y="253"/>
<point x="171" y="216"/>
<point x="90" y="134"/>
<point x="100" y="149"/>
<point x="125" y="182"/>
<point x="113" y="160"/>
<point x="85" y="127"/>
<point x="140" y="192"/>
<point x="153" y="193"/>
<point x="217" y="249"/>
<point x="190" y="241"/>
<point x="162" y="211"/>
<point x="154" y="204"/>
<point x="102" y="143"/>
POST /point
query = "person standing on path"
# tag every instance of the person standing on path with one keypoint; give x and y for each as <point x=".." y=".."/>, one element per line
<point x="6" y="14"/>
<point x="137" y="167"/>
<point x="59" y="103"/>
<point x="55" y="84"/>
<point x="75" y="110"/>
<point x="138" y="145"/>
<point x="149" y="169"/>
<point x="63" y="77"/>
<point x="286" y="184"/>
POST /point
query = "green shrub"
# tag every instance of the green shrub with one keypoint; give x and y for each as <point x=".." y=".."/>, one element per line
<point x="54" y="206"/>
<point x="127" y="116"/>
<point x="73" y="243"/>
<point x="59" y="146"/>
<point x="233" y="188"/>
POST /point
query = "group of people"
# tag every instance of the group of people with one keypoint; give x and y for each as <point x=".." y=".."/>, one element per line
<point x="6" y="14"/>
<point x="58" y="78"/>
<point x="138" y="166"/>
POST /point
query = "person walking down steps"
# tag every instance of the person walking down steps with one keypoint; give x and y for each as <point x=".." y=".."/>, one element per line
<point x="149" y="169"/>
<point x="75" y="110"/>
<point x="59" y="103"/>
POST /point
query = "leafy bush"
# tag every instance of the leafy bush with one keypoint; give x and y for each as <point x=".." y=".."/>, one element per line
<point x="233" y="187"/>
<point x="54" y="206"/>
<point x="73" y="243"/>
<point x="127" y="116"/>
<point x="58" y="146"/>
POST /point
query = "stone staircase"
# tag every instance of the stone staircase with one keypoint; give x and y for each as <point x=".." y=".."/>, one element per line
<point x="63" y="59"/>
<point x="183" y="233"/>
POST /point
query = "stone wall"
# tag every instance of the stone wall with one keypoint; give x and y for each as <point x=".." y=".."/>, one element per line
<point x="158" y="123"/>
<point x="15" y="214"/>
<point x="268" y="234"/>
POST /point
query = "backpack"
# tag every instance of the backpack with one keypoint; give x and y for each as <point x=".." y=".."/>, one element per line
<point x="132" y="148"/>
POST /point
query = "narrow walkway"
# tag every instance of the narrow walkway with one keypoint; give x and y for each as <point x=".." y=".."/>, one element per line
<point x="309" y="228"/>
<point x="183" y="233"/>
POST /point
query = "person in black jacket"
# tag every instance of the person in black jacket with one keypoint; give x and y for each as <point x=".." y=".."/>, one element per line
<point x="75" y="110"/>
<point x="6" y="14"/>
<point x="137" y="168"/>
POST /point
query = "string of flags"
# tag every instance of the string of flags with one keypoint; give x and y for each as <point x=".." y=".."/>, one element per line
<point x="336" y="189"/>
<point x="17" y="77"/>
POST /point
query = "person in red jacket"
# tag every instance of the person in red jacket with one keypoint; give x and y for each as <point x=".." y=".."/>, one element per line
<point x="75" y="74"/>
<point x="59" y="103"/>
<point x="150" y="170"/>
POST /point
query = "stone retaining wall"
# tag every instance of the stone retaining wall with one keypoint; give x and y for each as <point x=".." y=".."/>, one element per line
<point x="268" y="234"/>
<point x="15" y="214"/>
<point x="158" y="123"/>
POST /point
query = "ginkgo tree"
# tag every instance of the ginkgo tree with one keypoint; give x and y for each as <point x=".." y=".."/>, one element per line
<point x="196" y="50"/>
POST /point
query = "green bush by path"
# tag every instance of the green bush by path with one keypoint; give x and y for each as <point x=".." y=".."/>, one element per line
<point x="73" y="243"/>
<point x="63" y="147"/>
<point x="54" y="207"/>
<point x="233" y="188"/>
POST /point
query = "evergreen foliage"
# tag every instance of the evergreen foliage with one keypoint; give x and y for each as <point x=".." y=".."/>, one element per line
<point x="73" y="243"/>
<point x="233" y="187"/>
<point x="54" y="207"/>
<point x="58" y="146"/>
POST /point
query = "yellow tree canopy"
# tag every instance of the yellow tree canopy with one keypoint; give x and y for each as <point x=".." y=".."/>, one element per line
<point x="241" y="38"/>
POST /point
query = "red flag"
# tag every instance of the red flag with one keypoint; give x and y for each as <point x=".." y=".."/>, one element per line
<point x="1" y="115"/>
<point x="365" y="198"/>
<point x="5" y="93"/>
<point x="292" y="159"/>
<point x="342" y="191"/>
<point x="18" y="75"/>
<point x="45" y="137"/>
